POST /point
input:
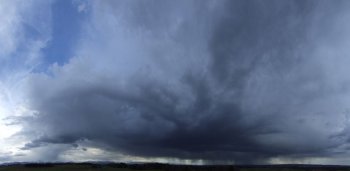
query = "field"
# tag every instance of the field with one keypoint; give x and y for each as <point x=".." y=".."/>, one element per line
<point x="164" y="167"/>
<point x="67" y="167"/>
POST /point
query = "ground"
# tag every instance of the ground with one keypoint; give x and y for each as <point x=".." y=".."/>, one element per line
<point x="164" y="167"/>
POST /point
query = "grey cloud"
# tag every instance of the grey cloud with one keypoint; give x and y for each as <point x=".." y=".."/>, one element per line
<point x="223" y="80"/>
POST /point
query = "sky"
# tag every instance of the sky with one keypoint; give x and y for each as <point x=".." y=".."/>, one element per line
<point x="186" y="81"/>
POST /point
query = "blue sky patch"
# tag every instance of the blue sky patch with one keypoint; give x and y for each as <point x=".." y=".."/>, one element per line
<point x="66" y="29"/>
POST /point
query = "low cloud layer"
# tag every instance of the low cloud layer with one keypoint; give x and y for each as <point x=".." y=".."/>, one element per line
<point x="241" y="81"/>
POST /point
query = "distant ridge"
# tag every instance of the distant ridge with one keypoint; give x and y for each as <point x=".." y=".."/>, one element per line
<point x="174" y="167"/>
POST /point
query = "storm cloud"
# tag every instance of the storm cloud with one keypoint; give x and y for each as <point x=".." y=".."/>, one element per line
<point x="240" y="81"/>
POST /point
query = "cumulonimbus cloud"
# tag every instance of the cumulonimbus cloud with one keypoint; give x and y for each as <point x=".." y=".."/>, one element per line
<point x="216" y="80"/>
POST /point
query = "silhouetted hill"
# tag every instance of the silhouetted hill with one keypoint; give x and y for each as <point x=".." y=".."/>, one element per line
<point x="107" y="166"/>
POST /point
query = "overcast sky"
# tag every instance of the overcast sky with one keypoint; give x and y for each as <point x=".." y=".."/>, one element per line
<point x="185" y="81"/>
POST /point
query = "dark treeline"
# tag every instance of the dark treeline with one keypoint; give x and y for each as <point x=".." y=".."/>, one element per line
<point x="171" y="167"/>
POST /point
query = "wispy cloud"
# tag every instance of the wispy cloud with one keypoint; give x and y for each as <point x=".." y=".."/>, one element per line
<point x="23" y="33"/>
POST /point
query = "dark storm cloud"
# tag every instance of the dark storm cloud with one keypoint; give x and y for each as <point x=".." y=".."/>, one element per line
<point x="215" y="80"/>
